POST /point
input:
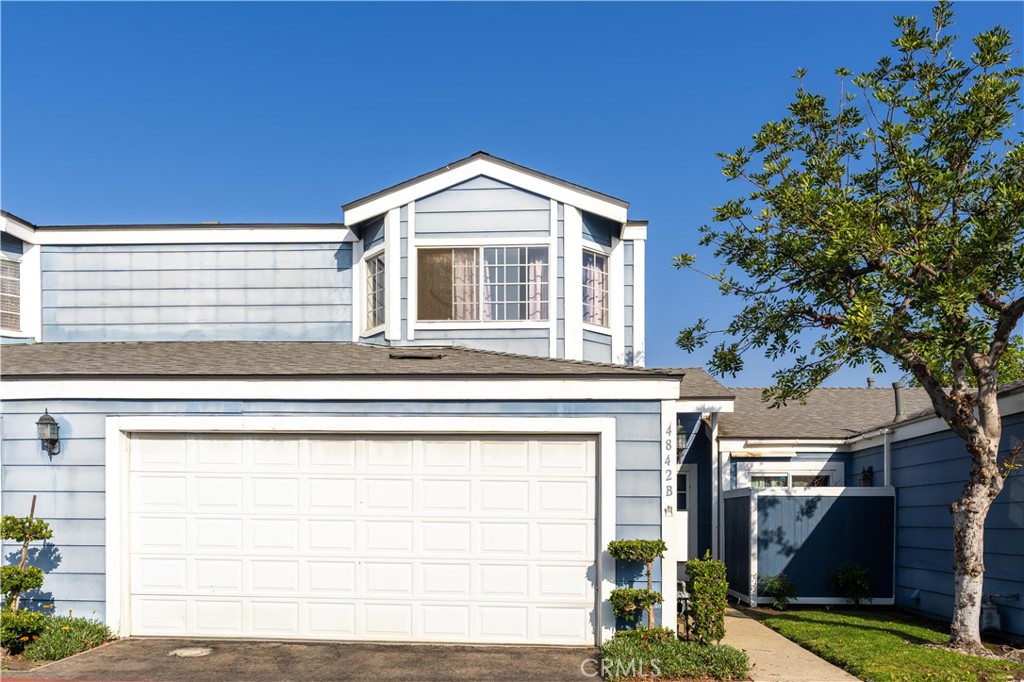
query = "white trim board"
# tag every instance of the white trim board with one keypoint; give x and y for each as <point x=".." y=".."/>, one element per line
<point x="200" y="234"/>
<point x="378" y="388"/>
<point x="484" y="166"/>
<point x="120" y="429"/>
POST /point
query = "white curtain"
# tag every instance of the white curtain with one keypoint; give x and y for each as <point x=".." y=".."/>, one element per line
<point x="464" y="284"/>
<point x="595" y="285"/>
<point x="536" y="296"/>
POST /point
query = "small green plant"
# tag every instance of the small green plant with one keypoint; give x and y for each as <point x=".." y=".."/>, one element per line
<point x="19" y="627"/>
<point x="708" y="598"/>
<point x="634" y="654"/>
<point x="64" y="636"/>
<point x="15" y="580"/>
<point x="854" y="582"/>
<point x="781" y="589"/>
<point x="628" y="602"/>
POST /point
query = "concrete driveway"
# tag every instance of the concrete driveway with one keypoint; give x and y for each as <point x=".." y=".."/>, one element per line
<point x="150" y="660"/>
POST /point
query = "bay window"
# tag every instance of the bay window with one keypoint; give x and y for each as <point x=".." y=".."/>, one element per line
<point x="483" y="284"/>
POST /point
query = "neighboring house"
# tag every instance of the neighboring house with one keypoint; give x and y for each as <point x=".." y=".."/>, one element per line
<point x="848" y="477"/>
<point x="424" y="424"/>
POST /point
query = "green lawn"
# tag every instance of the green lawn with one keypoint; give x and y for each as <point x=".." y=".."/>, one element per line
<point x="885" y="647"/>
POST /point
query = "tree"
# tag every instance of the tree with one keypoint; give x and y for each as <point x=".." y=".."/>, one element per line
<point x="888" y="226"/>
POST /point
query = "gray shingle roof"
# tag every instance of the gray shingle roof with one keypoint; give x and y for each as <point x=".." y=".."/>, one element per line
<point x="266" y="359"/>
<point x="829" y="413"/>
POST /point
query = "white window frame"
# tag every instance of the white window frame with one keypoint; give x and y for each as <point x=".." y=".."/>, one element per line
<point x="480" y="246"/>
<point x="746" y="469"/>
<point x="377" y="253"/>
<point x="607" y="253"/>
<point x="8" y="258"/>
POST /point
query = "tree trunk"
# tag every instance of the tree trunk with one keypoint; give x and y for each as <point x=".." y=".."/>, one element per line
<point x="650" y="588"/>
<point x="969" y="513"/>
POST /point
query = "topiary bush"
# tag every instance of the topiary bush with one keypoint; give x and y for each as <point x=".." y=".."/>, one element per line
<point x="629" y="602"/>
<point x="15" y="580"/>
<point x="20" y="627"/>
<point x="781" y="589"/>
<point x="854" y="582"/>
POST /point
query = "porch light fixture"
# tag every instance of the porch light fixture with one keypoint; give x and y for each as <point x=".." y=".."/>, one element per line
<point x="49" y="433"/>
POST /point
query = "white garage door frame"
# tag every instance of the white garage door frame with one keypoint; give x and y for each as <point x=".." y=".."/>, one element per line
<point x="120" y="429"/>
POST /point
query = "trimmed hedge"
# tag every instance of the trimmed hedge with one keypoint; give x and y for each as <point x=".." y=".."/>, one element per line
<point x="640" y="654"/>
<point x="708" y="598"/>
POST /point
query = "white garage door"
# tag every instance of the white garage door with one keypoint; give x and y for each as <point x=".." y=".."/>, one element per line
<point x="412" y="539"/>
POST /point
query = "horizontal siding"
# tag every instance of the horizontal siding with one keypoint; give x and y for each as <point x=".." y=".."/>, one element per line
<point x="929" y="474"/>
<point x="11" y="245"/>
<point x="482" y="207"/>
<point x="596" y="347"/>
<point x="71" y="485"/>
<point x="627" y="301"/>
<point x="197" y="292"/>
<point x="599" y="230"/>
<point x="373" y="234"/>
<point x="519" y="341"/>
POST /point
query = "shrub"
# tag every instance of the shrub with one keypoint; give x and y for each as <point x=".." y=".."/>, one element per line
<point x="630" y="656"/>
<point x="648" y="635"/>
<point x="19" y="627"/>
<point x="645" y="552"/>
<point x="629" y="603"/>
<point x="854" y="582"/>
<point x="708" y="594"/>
<point x="20" y="578"/>
<point x="781" y="589"/>
<point x="15" y="580"/>
<point x="64" y="636"/>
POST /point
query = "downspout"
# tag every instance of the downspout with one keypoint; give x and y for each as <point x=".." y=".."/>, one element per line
<point x="887" y="457"/>
<point x="716" y="490"/>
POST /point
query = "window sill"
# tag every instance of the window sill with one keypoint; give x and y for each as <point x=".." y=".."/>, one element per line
<point x="372" y="331"/>
<point x="477" y="324"/>
<point x="598" y="329"/>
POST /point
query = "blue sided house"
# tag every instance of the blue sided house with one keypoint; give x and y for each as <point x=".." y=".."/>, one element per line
<point x="424" y="423"/>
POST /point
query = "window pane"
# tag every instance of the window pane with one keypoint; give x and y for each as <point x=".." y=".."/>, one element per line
<point x="595" y="288"/>
<point x="681" y="492"/>
<point x="516" y="283"/>
<point x="448" y="284"/>
<point x="10" y="295"/>
<point x="375" y="292"/>
<point x="811" y="481"/>
<point x="768" y="481"/>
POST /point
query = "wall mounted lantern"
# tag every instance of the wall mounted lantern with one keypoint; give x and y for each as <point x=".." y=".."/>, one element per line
<point x="49" y="433"/>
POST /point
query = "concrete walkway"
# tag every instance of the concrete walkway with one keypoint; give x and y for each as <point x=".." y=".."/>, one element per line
<point x="773" y="658"/>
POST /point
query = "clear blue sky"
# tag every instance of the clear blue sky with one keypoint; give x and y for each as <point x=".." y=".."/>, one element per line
<point x="124" y="112"/>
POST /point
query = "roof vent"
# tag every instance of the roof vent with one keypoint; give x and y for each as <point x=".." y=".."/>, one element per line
<point x="897" y="392"/>
<point x="871" y="382"/>
<point x="415" y="355"/>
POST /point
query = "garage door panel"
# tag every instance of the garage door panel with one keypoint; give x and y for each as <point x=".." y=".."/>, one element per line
<point x="275" y="534"/>
<point x="216" y="493"/>
<point x="446" y="497"/>
<point x="273" y="495"/>
<point x="385" y="495"/>
<point x="391" y="538"/>
<point x="331" y="535"/>
<point x="443" y="456"/>
<point x="159" y="533"/>
<point x="388" y="455"/>
<point x="332" y="494"/>
<point x="217" y="534"/>
<point x="271" y="619"/>
<point x="504" y="457"/>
